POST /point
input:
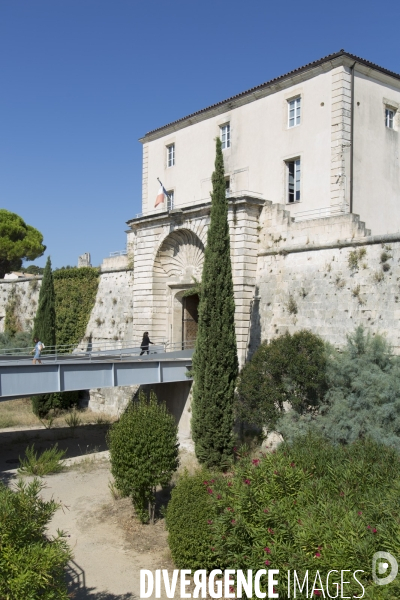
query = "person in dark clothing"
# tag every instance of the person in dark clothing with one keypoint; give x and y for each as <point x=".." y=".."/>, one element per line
<point x="145" y="343"/>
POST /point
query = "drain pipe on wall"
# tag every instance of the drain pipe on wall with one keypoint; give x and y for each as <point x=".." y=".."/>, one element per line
<point x="352" y="138"/>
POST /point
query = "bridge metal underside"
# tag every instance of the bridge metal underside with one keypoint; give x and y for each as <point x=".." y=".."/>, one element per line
<point x="22" y="378"/>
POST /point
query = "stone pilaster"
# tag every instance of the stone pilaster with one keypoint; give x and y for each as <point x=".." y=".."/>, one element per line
<point x="340" y="135"/>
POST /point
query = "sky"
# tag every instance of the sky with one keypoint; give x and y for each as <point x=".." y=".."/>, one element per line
<point x="82" y="80"/>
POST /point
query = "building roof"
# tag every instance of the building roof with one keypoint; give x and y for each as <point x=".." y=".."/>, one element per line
<point x="307" y="67"/>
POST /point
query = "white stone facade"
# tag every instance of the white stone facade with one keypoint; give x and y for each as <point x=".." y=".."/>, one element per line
<point x="349" y="157"/>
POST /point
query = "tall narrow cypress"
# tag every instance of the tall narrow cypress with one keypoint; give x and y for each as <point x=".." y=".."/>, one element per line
<point x="44" y="326"/>
<point x="215" y="363"/>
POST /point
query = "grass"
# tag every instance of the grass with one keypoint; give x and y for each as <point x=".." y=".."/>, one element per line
<point x="18" y="413"/>
<point x="73" y="419"/>
<point x="49" y="461"/>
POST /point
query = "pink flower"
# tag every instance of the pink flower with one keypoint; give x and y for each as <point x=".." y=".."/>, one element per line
<point x="368" y="526"/>
<point x="218" y="496"/>
<point x="271" y="531"/>
<point x="212" y="481"/>
<point x="210" y="491"/>
<point x="267" y="562"/>
<point x="256" y="461"/>
<point x="234" y="449"/>
<point x="292" y="464"/>
<point x="212" y="549"/>
<point x="359" y="512"/>
<point x="266" y="510"/>
<point x="205" y="482"/>
<point x="374" y="530"/>
<point x="233" y="522"/>
<point x="209" y="522"/>
<point x="229" y="483"/>
<point x="231" y="589"/>
<point x="267" y="550"/>
<point x="317" y="593"/>
<point x="317" y="554"/>
<point x="247" y="481"/>
<point x="275" y="472"/>
<point x="228" y="508"/>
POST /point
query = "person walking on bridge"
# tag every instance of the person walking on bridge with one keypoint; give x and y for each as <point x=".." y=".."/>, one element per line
<point x="145" y="343"/>
<point x="37" y="351"/>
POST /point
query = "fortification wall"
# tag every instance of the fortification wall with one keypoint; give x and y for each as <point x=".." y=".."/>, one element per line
<point x="329" y="289"/>
<point x="25" y="293"/>
<point x="112" y="316"/>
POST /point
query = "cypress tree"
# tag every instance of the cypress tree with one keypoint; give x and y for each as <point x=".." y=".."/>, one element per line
<point x="44" y="326"/>
<point x="215" y="363"/>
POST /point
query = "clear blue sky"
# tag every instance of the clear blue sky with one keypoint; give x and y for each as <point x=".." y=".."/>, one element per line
<point x="82" y="80"/>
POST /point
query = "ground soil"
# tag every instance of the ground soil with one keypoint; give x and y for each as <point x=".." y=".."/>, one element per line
<point x="110" y="546"/>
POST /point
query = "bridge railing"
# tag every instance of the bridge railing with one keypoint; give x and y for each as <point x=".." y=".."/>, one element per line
<point x="91" y="351"/>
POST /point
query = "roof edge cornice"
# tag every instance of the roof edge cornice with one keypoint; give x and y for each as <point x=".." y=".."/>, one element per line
<point x="323" y="65"/>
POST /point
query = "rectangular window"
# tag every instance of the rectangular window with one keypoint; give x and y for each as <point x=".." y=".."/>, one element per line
<point x="170" y="200"/>
<point x="226" y="136"/>
<point x="389" y="118"/>
<point x="227" y="186"/>
<point x="293" y="180"/>
<point x="171" y="155"/>
<point x="294" y="109"/>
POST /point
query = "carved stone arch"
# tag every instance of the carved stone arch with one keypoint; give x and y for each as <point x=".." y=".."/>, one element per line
<point x="199" y="231"/>
<point x="180" y="257"/>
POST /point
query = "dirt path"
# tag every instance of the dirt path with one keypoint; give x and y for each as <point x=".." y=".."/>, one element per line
<point x="109" y="546"/>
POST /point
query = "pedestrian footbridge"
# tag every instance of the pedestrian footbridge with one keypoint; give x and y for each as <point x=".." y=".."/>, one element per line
<point x="91" y="366"/>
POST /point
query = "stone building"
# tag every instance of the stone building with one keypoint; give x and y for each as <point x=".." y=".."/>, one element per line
<point x="311" y="160"/>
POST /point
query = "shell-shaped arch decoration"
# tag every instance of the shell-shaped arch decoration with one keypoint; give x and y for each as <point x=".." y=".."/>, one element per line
<point x="181" y="256"/>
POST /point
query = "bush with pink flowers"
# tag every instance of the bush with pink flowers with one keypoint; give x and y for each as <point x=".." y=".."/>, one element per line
<point x="308" y="506"/>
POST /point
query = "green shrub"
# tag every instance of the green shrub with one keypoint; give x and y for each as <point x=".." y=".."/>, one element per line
<point x="42" y="404"/>
<point x="363" y="398"/>
<point x="143" y="452"/>
<point x="21" y="342"/>
<point x="49" y="461"/>
<point x="311" y="505"/>
<point x="32" y="565"/>
<point x="292" y="369"/>
<point x="189" y="518"/>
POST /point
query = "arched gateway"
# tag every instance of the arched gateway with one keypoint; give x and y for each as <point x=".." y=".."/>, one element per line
<point x="177" y="267"/>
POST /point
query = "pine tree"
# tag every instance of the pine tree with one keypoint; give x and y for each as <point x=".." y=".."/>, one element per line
<point x="215" y="363"/>
<point x="44" y="327"/>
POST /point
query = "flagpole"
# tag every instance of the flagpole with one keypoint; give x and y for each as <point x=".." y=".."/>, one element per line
<point x="165" y="191"/>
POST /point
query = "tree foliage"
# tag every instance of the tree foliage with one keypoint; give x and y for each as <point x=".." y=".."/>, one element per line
<point x="290" y="369"/>
<point x="143" y="452"/>
<point x="44" y="327"/>
<point x="32" y="564"/>
<point x="363" y="397"/>
<point x="18" y="242"/>
<point x="42" y="404"/>
<point x="215" y="363"/>
<point x="75" y="295"/>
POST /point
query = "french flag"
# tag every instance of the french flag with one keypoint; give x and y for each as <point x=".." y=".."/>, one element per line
<point x="160" y="196"/>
